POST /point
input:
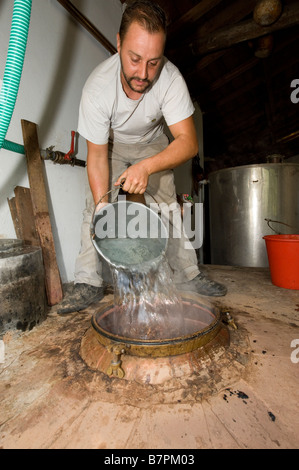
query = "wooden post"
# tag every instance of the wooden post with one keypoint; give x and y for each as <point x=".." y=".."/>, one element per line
<point x="41" y="212"/>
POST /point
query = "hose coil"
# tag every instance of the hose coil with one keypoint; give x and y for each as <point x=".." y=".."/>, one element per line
<point x="14" y="67"/>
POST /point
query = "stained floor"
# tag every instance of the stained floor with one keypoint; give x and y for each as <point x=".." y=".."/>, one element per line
<point x="244" y="395"/>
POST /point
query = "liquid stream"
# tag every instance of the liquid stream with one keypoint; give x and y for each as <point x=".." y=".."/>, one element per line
<point x="147" y="305"/>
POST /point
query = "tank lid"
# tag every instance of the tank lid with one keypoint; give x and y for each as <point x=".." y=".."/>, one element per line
<point x="275" y="158"/>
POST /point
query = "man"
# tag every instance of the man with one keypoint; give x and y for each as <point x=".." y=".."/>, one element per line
<point x="124" y="102"/>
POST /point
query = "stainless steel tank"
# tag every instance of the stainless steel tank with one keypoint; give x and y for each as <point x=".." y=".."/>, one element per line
<point x="248" y="202"/>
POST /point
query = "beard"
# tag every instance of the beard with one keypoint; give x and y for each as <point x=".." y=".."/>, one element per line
<point x="134" y="87"/>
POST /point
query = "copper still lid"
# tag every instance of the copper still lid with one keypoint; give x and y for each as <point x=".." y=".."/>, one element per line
<point x="201" y="323"/>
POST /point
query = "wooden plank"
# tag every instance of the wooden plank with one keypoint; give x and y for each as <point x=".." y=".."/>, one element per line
<point x="15" y="217"/>
<point x="23" y="217"/>
<point x="26" y="216"/>
<point x="35" y="167"/>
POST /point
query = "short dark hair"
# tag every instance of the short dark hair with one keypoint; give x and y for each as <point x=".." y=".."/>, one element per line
<point x="148" y="14"/>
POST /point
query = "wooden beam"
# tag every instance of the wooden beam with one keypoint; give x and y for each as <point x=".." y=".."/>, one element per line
<point x="15" y="218"/>
<point x="207" y="60"/>
<point x="289" y="137"/>
<point x="230" y="15"/>
<point x="234" y="96"/>
<point x="232" y="74"/>
<point x="91" y="28"/>
<point x="182" y="52"/>
<point x="41" y="212"/>
<point x="234" y="128"/>
<point x="191" y="16"/>
<point x="243" y="31"/>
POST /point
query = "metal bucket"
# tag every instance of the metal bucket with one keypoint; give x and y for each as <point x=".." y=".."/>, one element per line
<point x="129" y="235"/>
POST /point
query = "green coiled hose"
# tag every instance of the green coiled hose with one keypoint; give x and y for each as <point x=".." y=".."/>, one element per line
<point x="13" y="69"/>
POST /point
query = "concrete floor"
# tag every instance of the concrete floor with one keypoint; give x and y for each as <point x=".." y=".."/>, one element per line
<point x="243" y="397"/>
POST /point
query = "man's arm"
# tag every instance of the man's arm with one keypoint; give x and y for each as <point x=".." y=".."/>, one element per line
<point x="182" y="148"/>
<point x="98" y="170"/>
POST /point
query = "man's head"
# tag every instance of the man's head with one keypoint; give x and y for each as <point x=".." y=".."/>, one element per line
<point x="148" y="14"/>
<point x="140" y="44"/>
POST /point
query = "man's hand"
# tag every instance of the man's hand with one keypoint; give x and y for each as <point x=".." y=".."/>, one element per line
<point x="136" y="178"/>
<point x="182" y="148"/>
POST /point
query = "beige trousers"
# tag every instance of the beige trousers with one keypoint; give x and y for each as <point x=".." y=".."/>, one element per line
<point x="89" y="268"/>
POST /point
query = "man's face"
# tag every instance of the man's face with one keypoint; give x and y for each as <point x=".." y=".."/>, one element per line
<point x="141" y="55"/>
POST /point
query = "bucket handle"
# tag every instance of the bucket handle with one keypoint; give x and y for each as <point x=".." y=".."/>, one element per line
<point x="121" y="186"/>
<point x="108" y="192"/>
<point x="92" y="230"/>
<point x="276" y="222"/>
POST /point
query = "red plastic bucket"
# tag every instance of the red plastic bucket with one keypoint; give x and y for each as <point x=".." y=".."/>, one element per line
<point x="283" y="256"/>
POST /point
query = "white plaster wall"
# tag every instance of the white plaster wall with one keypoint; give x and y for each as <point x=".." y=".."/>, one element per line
<point x="59" y="57"/>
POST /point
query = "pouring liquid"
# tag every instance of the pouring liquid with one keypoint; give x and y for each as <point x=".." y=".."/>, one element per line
<point x="146" y="303"/>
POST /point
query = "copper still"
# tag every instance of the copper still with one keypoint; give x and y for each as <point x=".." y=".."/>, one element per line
<point x="143" y="320"/>
<point x="202" y="324"/>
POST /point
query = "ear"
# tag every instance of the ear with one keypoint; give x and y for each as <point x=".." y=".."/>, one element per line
<point x="118" y="42"/>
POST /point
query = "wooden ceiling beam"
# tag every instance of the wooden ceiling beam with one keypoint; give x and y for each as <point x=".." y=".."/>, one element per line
<point x="207" y="60"/>
<point x="231" y="15"/>
<point x="243" y="31"/>
<point x="234" y="96"/>
<point x="191" y="16"/>
<point x="232" y="74"/>
<point x="182" y="51"/>
<point x="243" y="124"/>
<point x="289" y="137"/>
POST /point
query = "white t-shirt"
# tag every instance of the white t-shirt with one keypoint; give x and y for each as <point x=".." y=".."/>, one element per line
<point x="106" y="111"/>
